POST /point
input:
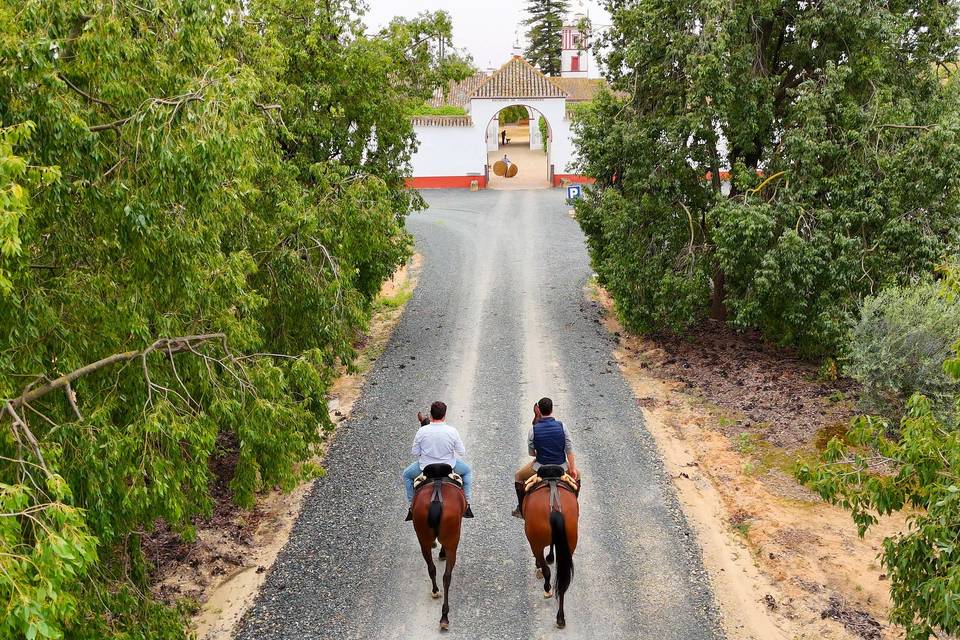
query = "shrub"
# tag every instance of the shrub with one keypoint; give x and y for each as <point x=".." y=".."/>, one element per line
<point x="873" y="474"/>
<point x="898" y="346"/>
<point x="445" y="110"/>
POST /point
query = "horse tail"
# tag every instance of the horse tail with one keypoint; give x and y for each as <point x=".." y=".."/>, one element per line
<point x="558" y="537"/>
<point x="433" y="516"/>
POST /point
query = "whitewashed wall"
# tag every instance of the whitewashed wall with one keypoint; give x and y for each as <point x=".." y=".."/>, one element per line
<point x="493" y="135"/>
<point x="448" y="151"/>
<point x="460" y="151"/>
<point x="559" y="149"/>
<point x="536" y="140"/>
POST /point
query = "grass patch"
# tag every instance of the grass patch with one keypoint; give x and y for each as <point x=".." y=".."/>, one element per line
<point x="395" y="301"/>
<point x="745" y="443"/>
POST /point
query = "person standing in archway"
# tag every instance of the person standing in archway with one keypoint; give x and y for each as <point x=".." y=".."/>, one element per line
<point x="503" y="137"/>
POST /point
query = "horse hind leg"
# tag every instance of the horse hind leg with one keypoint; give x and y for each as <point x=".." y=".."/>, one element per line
<point x="550" y="555"/>
<point x="427" y="552"/>
<point x="447" y="574"/>
<point x="543" y="571"/>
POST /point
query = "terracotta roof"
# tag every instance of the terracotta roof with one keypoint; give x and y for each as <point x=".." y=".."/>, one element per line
<point x="458" y="93"/>
<point x="579" y="89"/>
<point x="518" y="79"/>
<point x="442" y="121"/>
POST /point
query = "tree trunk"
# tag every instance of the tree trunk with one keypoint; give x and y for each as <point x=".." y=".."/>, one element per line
<point x="718" y="307"/>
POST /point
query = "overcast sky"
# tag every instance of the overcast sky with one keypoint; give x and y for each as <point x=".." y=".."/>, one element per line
<point x="485" y="28"/>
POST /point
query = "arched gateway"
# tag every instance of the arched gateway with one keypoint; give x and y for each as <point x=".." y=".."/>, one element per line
<point x="456" y="151"/>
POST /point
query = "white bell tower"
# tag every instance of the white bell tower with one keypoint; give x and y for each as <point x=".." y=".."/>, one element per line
<point x="573" y="51"/>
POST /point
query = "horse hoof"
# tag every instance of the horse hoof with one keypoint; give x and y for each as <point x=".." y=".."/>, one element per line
<point x="547" y="594"/>
<point x="561" y="625"/>
<point x="539" y="574"/>
<point x="434" y="594"/>
<point x="444" y="626"/>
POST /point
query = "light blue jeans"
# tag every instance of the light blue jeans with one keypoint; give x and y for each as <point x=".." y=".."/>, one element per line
<point x="462" y="468"/>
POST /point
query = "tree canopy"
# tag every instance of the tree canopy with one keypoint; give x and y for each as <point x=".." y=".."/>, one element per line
<point x="544" y="22"/>
<point x="199" y="200"/>
<point x="770" y="163"/>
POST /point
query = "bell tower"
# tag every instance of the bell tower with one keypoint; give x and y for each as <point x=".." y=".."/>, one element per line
<point x="573" y="51"/>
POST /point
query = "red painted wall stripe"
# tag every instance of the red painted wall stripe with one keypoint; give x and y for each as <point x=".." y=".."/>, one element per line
<point x="558" y="178"/>
<point x="445" y="182"/>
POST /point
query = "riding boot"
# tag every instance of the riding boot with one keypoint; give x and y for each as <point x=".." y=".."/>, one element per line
<point x="521" y="491"/>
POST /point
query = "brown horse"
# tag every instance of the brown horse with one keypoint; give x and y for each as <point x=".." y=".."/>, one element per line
<point x="438" y="507"/>
<point x="551" y="514"/>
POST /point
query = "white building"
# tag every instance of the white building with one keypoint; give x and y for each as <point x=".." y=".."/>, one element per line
<point x="457" y="150"/>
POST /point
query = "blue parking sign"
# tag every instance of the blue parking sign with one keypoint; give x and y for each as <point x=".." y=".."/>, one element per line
<point x="573" y="192"/>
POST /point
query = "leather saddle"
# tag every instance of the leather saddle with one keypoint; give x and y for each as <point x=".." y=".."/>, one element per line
<point x="433" y="473"/>
<point x="548" y="474"/>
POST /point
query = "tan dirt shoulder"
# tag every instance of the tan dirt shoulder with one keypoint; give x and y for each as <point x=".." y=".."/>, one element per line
<point x="783" y="563"/>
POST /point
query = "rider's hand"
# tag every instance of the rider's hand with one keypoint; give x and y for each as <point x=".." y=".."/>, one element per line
<point x="575" y="474"/>
<point x="420" y="419"/>
<point x="536" y="413"/>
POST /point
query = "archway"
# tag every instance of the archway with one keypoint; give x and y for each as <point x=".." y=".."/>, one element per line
<point x="522" y="134"/>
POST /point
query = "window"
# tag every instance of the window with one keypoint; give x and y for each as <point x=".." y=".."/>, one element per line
<point x="575" y="63"/>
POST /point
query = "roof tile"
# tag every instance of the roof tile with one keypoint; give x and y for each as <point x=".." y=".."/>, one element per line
<point x="518" y="79"/>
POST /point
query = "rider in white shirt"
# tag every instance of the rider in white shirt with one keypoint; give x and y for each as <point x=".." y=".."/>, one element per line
<point x="437" y="442"/>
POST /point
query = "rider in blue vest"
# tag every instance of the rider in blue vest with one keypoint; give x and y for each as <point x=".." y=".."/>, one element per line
<point x="549" y="443"/>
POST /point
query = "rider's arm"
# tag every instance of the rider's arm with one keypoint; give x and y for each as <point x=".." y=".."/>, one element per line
<point x="458" y="447"/>
<point x="415" y="450"/>
<point x="568" y="447"/>
<point x="572" y="465"/>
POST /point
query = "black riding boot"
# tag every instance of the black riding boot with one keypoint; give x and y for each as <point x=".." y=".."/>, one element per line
<point x="521" y="491"/>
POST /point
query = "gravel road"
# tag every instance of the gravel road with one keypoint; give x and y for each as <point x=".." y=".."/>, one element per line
<point x="498" y="320"/>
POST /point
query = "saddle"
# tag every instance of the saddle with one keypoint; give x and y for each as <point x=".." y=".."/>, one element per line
<point x="437" y="473"/>
<point x="549" y="474"/>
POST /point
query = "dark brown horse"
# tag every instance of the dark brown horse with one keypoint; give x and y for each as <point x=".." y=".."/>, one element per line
<point x="438" y="507"/>
<point x="551" y="515"/>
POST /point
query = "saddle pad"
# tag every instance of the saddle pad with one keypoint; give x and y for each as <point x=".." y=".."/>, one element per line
<point x="535" y="482"/>
<point x="453" y="477"/>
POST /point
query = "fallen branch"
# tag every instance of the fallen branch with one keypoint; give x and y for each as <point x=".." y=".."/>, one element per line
<point x="170" y="345"/>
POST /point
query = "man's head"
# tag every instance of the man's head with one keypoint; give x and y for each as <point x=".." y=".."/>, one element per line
<point x="438" y="411"/>
<point x="546" y="406"/>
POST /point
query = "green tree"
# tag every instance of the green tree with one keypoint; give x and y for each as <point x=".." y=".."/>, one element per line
<point x="841" y="142"/>
<point x="544" y="22"/>
<point x="873" y="474"/>
<point x="429" y="58"/>
<point x="228" y="198"/>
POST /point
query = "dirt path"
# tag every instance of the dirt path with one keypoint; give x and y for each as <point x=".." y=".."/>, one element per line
<point x="498" y="320"/>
